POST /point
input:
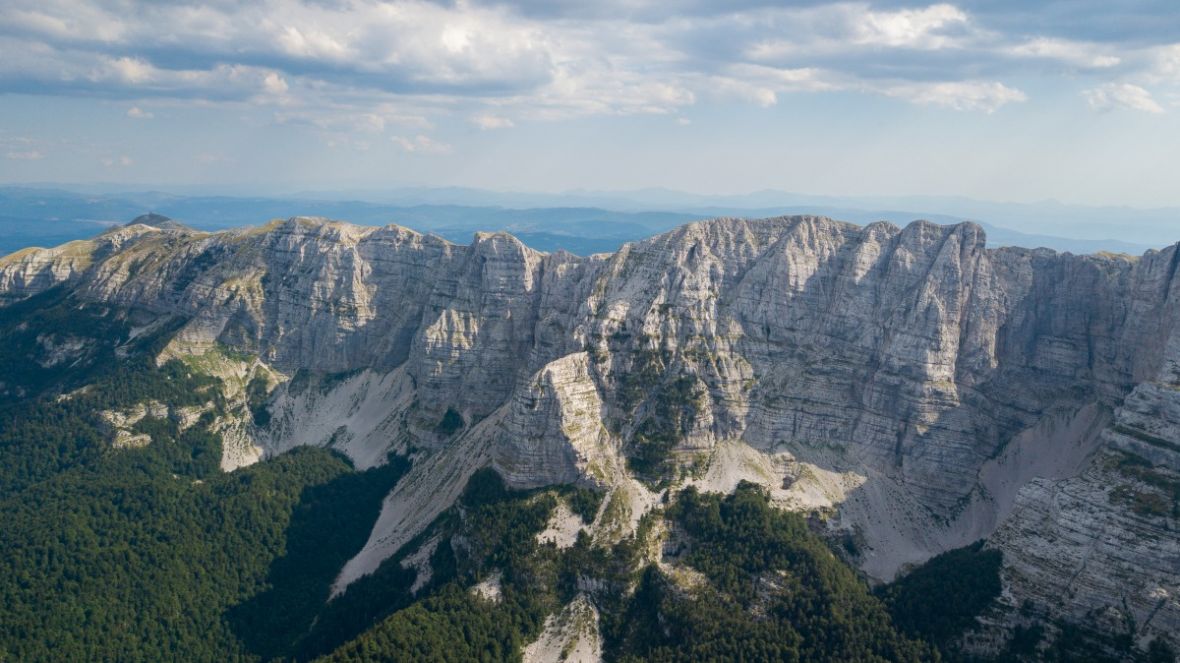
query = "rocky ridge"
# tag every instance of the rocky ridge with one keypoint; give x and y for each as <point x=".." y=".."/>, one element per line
<point x="920" y="389"/>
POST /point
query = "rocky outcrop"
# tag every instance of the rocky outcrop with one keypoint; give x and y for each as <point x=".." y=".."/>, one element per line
<point x="554" y="431"/>
<point x="925" y="390"/>
<point x="571" y="635"/>
<point x="31" y="271"/>
<point x="1102" y="547"/>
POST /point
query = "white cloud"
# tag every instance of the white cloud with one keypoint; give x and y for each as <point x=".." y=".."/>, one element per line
<point x="1078" y="54"/>
<point x="958" y="95"/>
<point x="761" y="85"/>
<point x="854" y="30"/>
<point x="924" y="28"/>
<point x="410" y="40"/>
<point x="594" y="89"/>
<point x="1165" y="64"/>
<point x="1122" y="95"/>
<point x="122" y="161"/>
<point x="132" y="71"/>
<point x="343" y="114"/>
<point x="330" y="64"/>
<point x="326" y="55"/>
<point x="312" y="44"/>
<point x="421" y="144"/>
<point x="26" y="155"/>
<point x="138" y="78"/>
<point x="786" y="79"/>
<point x="841" y="30"/>
<point x="274" y="84"/>
<point x="137" y="113"/>
<point x="407" y="44"/>
<point x="77" y="21"/>
<point x="486" y="121"/>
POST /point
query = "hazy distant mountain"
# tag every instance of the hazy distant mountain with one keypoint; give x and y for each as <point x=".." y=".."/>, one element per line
<point x="1136" y="227"/>
<point x="578" y="222"/>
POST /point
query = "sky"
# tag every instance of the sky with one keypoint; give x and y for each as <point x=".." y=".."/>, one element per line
<point x="1015" y="100"/>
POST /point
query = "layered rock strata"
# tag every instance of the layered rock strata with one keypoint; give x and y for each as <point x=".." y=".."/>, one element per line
<point x="932" y="391"/>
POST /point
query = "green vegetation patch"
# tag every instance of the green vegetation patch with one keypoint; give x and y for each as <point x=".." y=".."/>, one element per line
<point x="53" y="343"/>
<point x="43" y="437"/>
<point x="491" y="531"/>
<point x="775" y="591"/>
<point x="451" y="423"/>
<point x="258" y="397"/>
<point x="584" y="502"/>
<point x="123" y="560"/>
<point x="153" y="553"/>
<point x="1065" y="642"/>
<point x="941" y="599"/>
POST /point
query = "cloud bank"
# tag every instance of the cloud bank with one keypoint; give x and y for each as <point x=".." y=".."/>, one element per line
<point x="410" y="62"/>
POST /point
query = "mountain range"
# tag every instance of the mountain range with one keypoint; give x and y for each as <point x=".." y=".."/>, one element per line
<point x="792" y="438"/>
<point x="580" y="222"/>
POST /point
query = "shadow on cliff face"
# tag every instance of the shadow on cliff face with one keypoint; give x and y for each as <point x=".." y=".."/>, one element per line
<point x="917" y="361"/>
<point x="330" y="524"/>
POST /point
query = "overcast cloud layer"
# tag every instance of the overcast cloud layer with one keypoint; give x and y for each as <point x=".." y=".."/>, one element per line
<point x="417" y="80"/>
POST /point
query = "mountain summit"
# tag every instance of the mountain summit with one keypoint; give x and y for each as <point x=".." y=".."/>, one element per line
<point x="157" y="221"/>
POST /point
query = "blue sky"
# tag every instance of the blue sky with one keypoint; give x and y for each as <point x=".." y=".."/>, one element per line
<point x="1076" y="101"/>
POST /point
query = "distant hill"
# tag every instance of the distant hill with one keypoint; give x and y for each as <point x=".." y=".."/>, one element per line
<point x="578" y="222"/>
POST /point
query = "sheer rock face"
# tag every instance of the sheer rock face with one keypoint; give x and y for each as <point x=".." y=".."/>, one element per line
<point x="30" y="271"/>
<point x="1103" y="547"/>
<point x="553" y="432"/>
<point x="967" y="386"/>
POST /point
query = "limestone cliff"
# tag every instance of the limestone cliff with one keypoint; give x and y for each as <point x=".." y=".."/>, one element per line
<point x="922" y="390"/>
